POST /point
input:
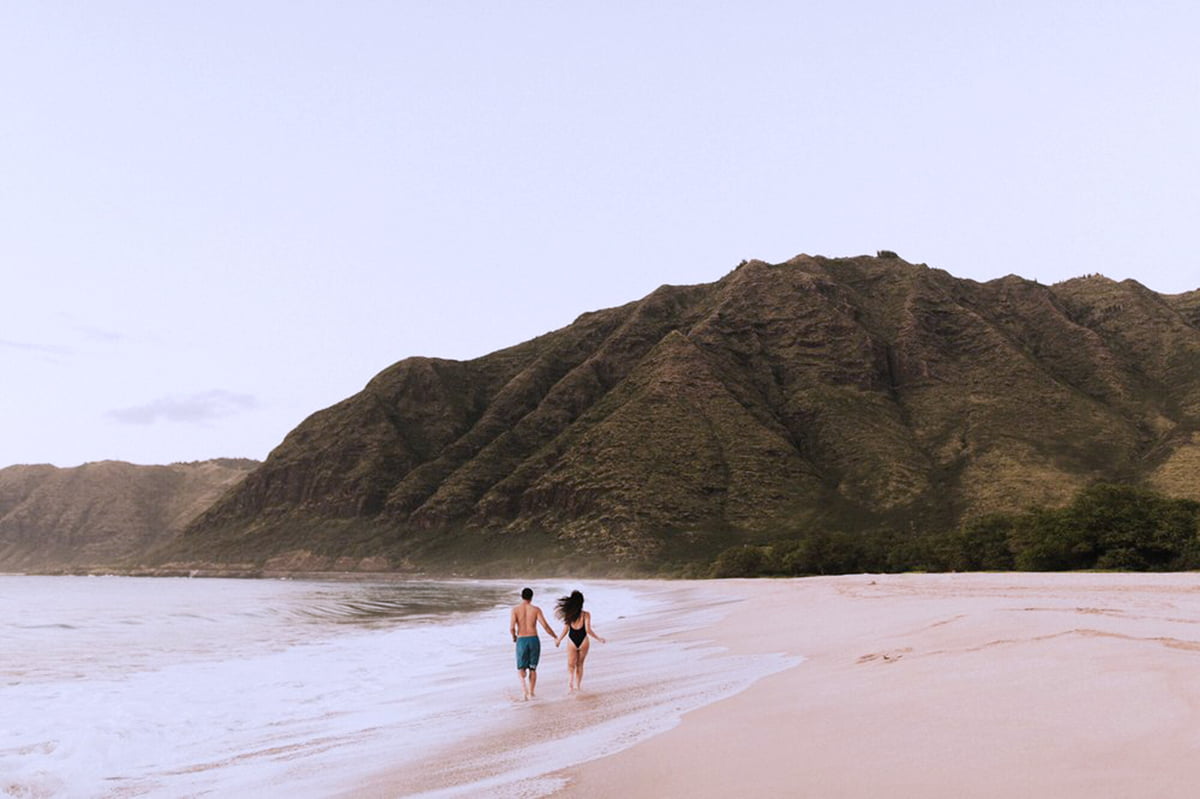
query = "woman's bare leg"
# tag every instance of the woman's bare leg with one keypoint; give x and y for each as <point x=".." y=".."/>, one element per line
<point x="583" y="650"/>
<point x="572" y="661"/>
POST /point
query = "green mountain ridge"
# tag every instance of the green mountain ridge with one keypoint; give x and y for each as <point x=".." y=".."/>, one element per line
<point x="848" y="394"/>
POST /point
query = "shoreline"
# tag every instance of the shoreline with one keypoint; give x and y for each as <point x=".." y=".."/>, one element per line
<point x="1062" y="685"/>
<point x="941" y="686"/>
<point x="659" y="662"/>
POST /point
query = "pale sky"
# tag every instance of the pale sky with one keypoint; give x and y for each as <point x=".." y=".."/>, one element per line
<point x="217" y="218"/>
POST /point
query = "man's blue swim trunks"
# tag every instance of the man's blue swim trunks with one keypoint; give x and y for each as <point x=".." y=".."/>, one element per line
<point x="529" y="649"/>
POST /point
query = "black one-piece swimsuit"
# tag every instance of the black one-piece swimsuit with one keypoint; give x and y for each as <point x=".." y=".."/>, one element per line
<point x="577" y="636"/>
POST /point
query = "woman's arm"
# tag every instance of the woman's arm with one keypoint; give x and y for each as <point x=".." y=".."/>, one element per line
<point x="562" y="635"/>
<point x="587" y="622"/>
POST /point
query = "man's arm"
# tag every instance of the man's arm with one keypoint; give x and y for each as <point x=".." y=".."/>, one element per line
<point x="546" y="624"/>
<point x="512" y="623"/>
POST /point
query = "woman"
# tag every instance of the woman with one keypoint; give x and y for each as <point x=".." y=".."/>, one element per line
<point x="577" y="627"/>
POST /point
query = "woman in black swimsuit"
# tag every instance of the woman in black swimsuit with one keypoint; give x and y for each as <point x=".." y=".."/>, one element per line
<point x="578" y="627"/>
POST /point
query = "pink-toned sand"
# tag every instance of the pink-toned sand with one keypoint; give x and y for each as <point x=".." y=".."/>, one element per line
<point x="955" y="686"/>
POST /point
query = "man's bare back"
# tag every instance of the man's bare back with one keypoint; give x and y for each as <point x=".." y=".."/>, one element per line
<point x="525" y="618"/>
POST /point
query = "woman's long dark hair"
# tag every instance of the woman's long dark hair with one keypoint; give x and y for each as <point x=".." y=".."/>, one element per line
<point x="570" y="607"/>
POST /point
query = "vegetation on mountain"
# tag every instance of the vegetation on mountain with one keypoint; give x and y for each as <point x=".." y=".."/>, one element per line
<point x="103" y="513"/>
<point x="837" y="406"/>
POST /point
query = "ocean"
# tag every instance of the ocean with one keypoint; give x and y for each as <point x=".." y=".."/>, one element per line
<point x="158" y="687"/>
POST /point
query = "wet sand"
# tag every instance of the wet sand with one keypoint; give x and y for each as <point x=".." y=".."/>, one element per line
<point x="659" y="662"/>
<point x="986" y="685"/>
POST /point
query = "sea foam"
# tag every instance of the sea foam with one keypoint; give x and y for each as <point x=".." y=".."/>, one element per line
<point x="138" y="687"/>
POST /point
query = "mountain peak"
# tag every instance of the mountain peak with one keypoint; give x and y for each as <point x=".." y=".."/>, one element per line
<point x="833" y="393"/>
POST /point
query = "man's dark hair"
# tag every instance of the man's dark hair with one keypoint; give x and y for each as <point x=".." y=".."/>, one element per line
<point x="527" y="593"/>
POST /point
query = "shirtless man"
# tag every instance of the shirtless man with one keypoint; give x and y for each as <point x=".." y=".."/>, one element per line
<point x="523" y="622"/>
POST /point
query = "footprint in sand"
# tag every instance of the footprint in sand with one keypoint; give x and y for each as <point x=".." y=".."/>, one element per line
<point x="890" y="656"/>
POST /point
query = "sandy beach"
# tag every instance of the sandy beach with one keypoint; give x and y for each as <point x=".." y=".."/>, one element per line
<point x="982" y="685"/>
<point x="936" y="686"/>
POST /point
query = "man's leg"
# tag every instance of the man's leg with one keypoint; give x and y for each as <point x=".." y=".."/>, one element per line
<point x="523" y="662"/>
<point x="535" y="654"/>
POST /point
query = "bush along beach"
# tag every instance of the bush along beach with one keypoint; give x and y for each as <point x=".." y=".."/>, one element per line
<point x="1106" y="527"/>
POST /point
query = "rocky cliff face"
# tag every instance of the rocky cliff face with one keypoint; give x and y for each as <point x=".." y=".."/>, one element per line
<point x="102" y="513"/>
<point x="846" y="393"/>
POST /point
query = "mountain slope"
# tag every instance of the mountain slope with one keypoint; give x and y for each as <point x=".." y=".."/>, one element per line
<point x="844" y="393"/>
<point x="102" y="513"/>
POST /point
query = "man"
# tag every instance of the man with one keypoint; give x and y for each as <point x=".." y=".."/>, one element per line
<point x="523" y="622"/>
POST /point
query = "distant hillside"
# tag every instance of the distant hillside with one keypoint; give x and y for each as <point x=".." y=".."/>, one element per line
<point x="102" y="513"/>
<point x="847" y="394"/>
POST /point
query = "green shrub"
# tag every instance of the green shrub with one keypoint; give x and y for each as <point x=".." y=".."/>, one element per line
<point x="740" y="561"/>
<point x="1105" y="526"/>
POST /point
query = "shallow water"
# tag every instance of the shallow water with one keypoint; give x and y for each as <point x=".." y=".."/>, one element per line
<point x="118" y="687"/>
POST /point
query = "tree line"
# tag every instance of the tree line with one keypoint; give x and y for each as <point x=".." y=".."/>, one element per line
<point x="1106" y="526"/>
